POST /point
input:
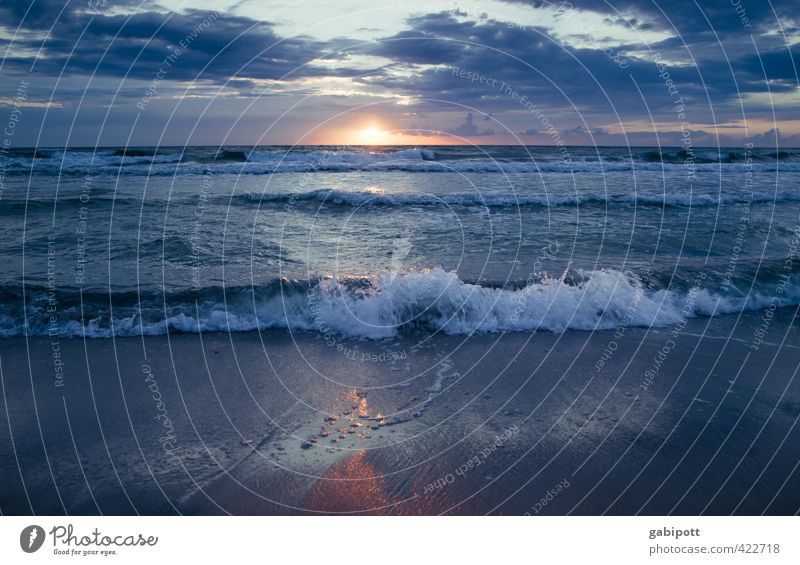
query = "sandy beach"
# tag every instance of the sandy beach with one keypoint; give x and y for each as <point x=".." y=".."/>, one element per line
<point x="275" y="423"/>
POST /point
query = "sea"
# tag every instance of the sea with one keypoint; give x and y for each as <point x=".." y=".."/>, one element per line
<point x="371" y="242"/>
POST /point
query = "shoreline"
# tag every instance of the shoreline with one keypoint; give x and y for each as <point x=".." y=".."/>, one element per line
<point x="275" y="423"/>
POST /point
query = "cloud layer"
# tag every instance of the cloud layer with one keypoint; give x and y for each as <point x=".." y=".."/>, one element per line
<point x="590" y="70"/>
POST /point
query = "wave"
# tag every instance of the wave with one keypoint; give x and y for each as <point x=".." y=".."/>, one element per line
<point x="264" y="160"/>
<point x="31" y="153"/>
<point x="135" y="152"/>
<point x="82" y="161"/>
<point x="381" y="198"/>
<point x="14" y="206"/>
<point x="102" y="162"/>
<point x="385" y="304"/>
<point x="233" y="156"/>
<point x="376" y="197"/>
<point x="349" y="165"/>
<point x="88" y="160"/>
<point x="721" y="156"/>
<point x="324" y="160"/>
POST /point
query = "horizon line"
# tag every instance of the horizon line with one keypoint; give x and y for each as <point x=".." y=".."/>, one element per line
<point x="287" y="145"/>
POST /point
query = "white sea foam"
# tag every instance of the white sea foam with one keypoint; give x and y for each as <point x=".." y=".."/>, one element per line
<point x="99" y="159"/>
<point x="373" y="197"/>
<point x="323" y="159"/>
<point x="267" y="161"/>
<point x="387" y="303"/>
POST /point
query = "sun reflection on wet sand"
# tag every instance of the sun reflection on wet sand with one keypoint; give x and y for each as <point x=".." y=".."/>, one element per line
<point x="350" y="485"/>
<point x="355" y="481"/>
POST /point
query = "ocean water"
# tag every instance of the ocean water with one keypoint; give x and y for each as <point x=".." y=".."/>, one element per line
<point x="371" y="242"/>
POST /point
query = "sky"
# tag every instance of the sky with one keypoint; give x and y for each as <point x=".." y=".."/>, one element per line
<point x="579" y="72"/>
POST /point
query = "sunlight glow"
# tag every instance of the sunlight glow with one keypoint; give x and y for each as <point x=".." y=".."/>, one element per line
<point x="372" y="135"/>
<point x="373" y="132"/>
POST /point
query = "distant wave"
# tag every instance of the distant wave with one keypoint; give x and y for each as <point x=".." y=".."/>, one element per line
<point x="259" y="160"/>
<point x="315" y="199"/>
<point x="494" y="200"/>
<point x="358" y="198"/>
<point x="387" y="303"/>
<point x="17" y="205"/>
<point x="231" y="155"/>
<point x="88" y="159"/>
<point x="134" y="152"/>
<point x="723" y="156"/>
<point x="322" y="159"/>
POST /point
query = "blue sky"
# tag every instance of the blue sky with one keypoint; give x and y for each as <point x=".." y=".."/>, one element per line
<point x="638" y="72"/>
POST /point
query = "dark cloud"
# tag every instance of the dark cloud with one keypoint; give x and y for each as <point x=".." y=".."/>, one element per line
<point x="570" y="84"/>
<point x="778" y="65"/>
<point x="524" y="77"/>
<point x="469" y="129"/>
<point x="220" y="46"/>
<point x="687" y="17"/>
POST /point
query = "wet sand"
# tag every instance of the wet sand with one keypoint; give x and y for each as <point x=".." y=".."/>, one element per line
<point x="270" y="423"/>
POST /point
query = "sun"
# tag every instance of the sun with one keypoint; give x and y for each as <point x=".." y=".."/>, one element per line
<point x="371" y="132"/>
<point x="371" y="135"/>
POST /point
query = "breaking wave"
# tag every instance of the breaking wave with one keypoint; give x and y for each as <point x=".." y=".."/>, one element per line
<point x="376" y="197"/>
<point x="141" y="161"/>
<point x="388" y="303"/>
